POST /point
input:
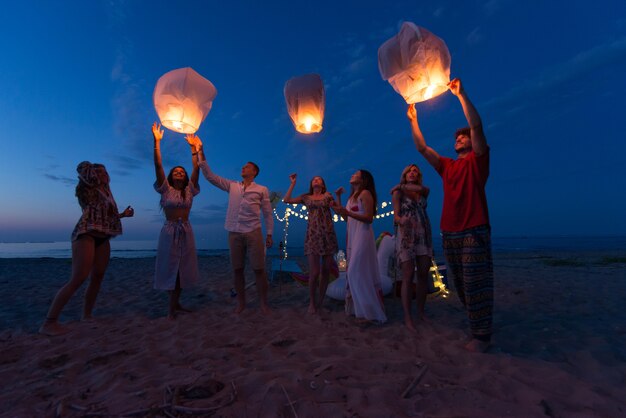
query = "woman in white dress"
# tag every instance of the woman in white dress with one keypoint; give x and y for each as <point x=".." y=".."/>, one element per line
<point x="177" y="260"/>
<point x="364" y="297"/>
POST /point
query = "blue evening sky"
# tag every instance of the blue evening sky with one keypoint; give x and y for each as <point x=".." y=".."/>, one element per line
<point x="76" y="82"/>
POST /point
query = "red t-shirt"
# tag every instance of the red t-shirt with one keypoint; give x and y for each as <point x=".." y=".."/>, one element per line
<point x="464" y="198"/>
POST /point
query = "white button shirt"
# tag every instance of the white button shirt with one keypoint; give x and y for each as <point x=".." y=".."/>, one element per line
<point x="244" y="204"/>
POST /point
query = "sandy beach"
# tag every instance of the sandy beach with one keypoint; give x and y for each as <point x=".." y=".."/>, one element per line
<point x="559" y="348"/>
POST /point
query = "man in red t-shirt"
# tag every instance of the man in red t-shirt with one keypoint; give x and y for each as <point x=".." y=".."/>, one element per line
<point x="465" y="217"/>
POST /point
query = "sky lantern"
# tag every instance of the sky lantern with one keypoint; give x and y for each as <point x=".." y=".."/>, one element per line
<point x="305" y="102"/>
<point x="416" y="63"/>
<point x="182" y="99"/>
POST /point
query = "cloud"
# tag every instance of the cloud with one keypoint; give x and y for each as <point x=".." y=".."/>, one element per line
<point x="474" y="37"/>
<point x="351" y="85"/>
<point x="129" y="103"/>
<point x="357" y="65"/>
<point x="65" y="180"/>
<point x="129" y="163"/>
<point x="600" y="56"/>
<point x="491" y="7"/>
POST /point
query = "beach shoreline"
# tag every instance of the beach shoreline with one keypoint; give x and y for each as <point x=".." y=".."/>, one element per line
<point x="559" y="346"/>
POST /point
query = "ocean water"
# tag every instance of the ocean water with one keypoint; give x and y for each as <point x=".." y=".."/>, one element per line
<point x="139" y="249"/>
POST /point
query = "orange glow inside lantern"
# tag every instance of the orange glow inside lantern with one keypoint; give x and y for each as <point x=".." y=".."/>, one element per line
<point x="416" y="63"/>
<point x="183" y="99"/>
<point x="305" y="99"/>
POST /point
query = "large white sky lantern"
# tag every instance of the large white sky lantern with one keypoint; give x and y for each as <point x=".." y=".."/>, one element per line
<point x="305" y="102"/>
<point x="416" y="63"/>
<point x="182" y="99"/>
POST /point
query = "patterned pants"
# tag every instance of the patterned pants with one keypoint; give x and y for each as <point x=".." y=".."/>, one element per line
<point x="468" y="254"/>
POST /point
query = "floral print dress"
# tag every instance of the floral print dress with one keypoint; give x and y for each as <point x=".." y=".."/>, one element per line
<point x="320" y="236"/>
<point x="414" y="237"/>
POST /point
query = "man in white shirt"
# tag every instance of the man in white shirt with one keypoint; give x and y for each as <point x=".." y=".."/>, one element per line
<point x="246" y="200"/>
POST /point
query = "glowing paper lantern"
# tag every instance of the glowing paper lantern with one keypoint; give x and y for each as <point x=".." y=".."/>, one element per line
<point x="182" y="99"/>
<point x="305" y="102"/>
<point x="416" y="63"/>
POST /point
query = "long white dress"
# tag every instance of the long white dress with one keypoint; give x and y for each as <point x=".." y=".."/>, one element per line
<point x="364" y="298"/>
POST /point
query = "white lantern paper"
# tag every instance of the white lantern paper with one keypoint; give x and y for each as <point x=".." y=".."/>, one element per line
<point x="416" y="63"/>
<point x="182" y="99"/>
<point x="305" y="102"/>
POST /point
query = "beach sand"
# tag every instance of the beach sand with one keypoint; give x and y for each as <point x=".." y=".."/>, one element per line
<point x="559" y="348"/>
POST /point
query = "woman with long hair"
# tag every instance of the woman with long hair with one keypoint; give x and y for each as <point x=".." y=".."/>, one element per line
<point x="414" y="246"/>
<point x="364" y="296"/>
<point x="177" y="260"/>
<point x="91" y="250"/>
<point x="320" y="242"/>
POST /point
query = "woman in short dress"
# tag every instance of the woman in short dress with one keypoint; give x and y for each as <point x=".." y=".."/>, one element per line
<point x="414" y="245"/>
<point x="177" y="260"/>
<point x="364" y="296"/>
<point x="320" y="242"/>
<point x="91" y="250"/>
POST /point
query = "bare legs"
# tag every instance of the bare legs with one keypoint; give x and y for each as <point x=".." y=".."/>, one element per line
<point x="314" y="273"/>
<point x="240" y="288"/>
<point x="102" y="254"/>
<point x="175" y="305"/>
<point x="408" y="268"/>
<point x="261" y="285"/>
<point x="86" y="260"/>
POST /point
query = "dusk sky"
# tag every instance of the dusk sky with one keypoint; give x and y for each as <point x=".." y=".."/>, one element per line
<point x="76" y="80"/>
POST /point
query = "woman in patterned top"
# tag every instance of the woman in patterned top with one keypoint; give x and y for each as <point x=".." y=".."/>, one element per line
<point x="177" y="260"/>
<point x="91" y="250"/>
<point x="414" y="245"/>
<point x="320" y="242"/>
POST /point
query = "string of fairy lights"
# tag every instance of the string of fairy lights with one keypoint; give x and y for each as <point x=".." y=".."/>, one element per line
<point x="299" y="211"/>
<point x="386" y="209"/>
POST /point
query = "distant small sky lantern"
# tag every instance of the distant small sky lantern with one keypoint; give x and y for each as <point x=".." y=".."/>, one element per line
<point x="182" y="99"/>
<point x="305" y="102"/>
<point x="416" y="63"/>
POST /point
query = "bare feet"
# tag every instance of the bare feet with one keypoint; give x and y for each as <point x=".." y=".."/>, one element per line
<point x="409" y="324"/>
<point x="53" y="328"/>
<point x="181" y="308"/>
<point x="266" y="310"/>
<point x="312" y="310"/>
<point x="239" y="309"/>
<point x="87" y="318"/>
<point x="477" y="346"/>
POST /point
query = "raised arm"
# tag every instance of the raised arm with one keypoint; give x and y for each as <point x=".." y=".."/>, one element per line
<point x="288" y="198"/>
<point x="418" y="139"/>
<point x="195" y="144"/>
<point x="157" y="134"/>
<point x="338" y="194"/>
<point x="479" y="141"/>
<point x="213" y="178"/>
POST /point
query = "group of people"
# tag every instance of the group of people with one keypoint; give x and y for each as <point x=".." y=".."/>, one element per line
<point x="464" y="226"/>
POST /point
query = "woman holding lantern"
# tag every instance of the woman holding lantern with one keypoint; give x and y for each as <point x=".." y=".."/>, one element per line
<point x="91" y="250"/>
<point x="320" y="242"/>
<point x="176" y="261"/>
<point x="364" y="297"/>
<point x="414" y="245"/>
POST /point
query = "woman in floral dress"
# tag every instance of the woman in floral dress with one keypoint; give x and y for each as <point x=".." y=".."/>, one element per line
<point x="320" y="242"/>
<point x="414" y="246"/>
